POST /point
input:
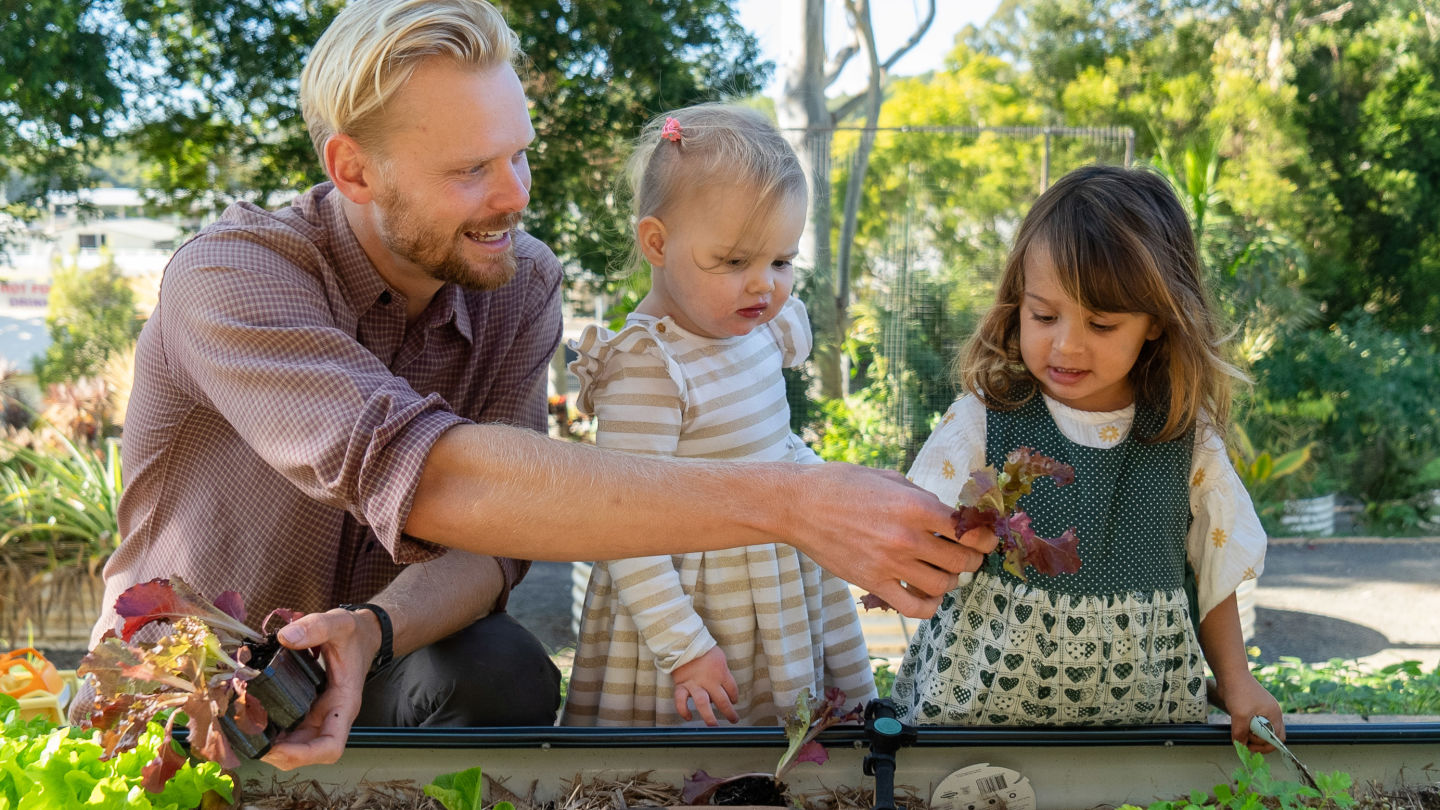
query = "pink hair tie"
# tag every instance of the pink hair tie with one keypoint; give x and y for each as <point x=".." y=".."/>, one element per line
<point x="671" y="130"/>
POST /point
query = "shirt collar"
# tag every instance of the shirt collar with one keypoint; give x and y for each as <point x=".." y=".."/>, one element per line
<point x="361" y="282"/>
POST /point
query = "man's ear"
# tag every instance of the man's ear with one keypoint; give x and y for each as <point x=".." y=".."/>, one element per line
<point x="650" y="235"/>
<point x="350" y="168"/>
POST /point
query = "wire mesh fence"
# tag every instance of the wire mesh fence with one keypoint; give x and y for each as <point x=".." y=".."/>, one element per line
<point x="933" y="221"/>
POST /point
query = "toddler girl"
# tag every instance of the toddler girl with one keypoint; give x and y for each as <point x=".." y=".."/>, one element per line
<point x="1102" y="352"/>
<point x="720" y="202"/>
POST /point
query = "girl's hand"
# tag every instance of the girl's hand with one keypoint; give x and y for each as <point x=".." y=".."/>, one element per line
<point x="706" y="680"/>
<point x="1245" y="698"/>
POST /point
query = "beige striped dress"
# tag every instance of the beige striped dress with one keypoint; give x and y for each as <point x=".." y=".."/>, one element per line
<point x="782" y="621"/>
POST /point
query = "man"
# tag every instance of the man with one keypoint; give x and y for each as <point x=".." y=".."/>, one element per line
<point x="340" y="403"/>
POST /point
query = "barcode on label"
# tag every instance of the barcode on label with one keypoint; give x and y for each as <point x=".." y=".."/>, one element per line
<point x="992" y="784"/>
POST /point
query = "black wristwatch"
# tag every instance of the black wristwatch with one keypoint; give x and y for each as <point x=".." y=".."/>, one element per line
<point x="387" y="635"/>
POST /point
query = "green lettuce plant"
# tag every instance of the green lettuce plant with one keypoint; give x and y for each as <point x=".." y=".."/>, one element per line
<point x="49" y="767"/>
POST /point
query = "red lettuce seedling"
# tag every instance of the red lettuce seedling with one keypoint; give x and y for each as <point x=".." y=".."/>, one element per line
<point x="988" y="500"/>
<point x="802" y="725"/>
<point x="200" y="669"/>
<point x="806" y="722"/>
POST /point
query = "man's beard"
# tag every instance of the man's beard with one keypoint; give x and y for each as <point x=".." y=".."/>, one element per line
<point x="439" y="254"/>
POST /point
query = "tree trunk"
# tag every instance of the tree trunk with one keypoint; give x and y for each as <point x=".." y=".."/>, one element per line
<point x="803" y="115"/>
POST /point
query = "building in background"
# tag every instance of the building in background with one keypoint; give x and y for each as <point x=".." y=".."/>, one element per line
<point x="83" y="228"/>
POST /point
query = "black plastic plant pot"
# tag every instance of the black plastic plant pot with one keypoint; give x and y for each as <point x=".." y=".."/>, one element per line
<point x="286" y="687"/>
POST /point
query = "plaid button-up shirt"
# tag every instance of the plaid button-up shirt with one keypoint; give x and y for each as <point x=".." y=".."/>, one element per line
<point x="282" y="408"/>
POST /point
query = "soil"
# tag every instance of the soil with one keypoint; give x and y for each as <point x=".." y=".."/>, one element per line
<point x="294" y="793"/>
<point x="750" y="790"/>
<point x="262" y="651"/>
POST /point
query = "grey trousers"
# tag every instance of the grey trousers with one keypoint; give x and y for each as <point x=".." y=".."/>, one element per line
<point x="492" y="673"/>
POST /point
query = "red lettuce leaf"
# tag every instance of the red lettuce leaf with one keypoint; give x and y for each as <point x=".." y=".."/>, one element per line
<point x="989" y="499"/>
<point x="698" y="787"/>
<point x="870" y="601"/>
<point x="170" y="599"/>
<point x="166" y="763"/>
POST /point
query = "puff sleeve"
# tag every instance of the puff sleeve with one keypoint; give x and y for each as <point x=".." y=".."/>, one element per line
<point x="791" y="330"/>
<point x="1226" y="544"/>
<point x="955" y="447"/>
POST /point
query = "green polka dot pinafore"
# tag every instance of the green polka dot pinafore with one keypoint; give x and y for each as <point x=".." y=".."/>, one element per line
<point x="1112" y="644"/>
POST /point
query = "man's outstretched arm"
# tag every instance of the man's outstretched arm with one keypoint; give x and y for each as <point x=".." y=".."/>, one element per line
<point x="505" y="491"/>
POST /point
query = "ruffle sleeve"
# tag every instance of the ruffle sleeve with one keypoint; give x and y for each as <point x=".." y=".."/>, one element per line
<point x="606" y="357"/>
<point x="791" y="330"/>
<point x="1226" y="544"/>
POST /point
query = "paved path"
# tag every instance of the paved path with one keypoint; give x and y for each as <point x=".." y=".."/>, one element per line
<point x="1377" y="600"/>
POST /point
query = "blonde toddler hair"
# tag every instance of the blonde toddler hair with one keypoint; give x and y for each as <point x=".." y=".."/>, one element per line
<point x="373" y="47"/>
<point x="716" y="146"/>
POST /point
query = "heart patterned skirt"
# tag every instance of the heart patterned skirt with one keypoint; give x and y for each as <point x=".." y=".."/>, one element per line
<point x="1000" y="652"/>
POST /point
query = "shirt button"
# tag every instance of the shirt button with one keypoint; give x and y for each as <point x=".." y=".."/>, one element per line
<point x="659" y="327"/>
<point x="385" y="297"/>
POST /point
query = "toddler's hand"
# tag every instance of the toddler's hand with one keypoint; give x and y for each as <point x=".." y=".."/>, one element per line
<point x="706" y="680"/>
<point x="1244" y="699"/>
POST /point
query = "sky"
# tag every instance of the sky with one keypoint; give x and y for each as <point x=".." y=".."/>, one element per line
<point x="894" y="20"/>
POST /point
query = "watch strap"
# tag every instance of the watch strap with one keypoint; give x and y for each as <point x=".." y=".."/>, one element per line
<point x="387" y="634"/>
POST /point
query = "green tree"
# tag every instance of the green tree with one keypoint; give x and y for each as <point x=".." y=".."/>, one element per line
<point x="57" y="95"/>
<point x="1373" y="126"/>
<point x="92" y="317"/>
<point x="597" y="71"/>
<point x="211" y="105"/>
<point x="229" y="117"/>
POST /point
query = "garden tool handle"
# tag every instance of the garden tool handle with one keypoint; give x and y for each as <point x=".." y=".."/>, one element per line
<point x="1260" y="726"/>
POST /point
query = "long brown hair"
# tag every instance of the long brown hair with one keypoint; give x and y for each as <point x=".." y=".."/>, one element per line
<point x="1120" y="242"/>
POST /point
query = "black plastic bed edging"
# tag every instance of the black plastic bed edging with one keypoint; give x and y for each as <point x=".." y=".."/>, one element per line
<point x="757" y="737"/>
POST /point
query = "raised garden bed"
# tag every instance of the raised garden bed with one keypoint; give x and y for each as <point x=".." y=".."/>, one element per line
<point x="1065" y="769"/>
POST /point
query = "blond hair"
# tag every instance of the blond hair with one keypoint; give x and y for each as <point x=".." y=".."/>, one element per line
<point x="373" y="47"/>
<point x="717" y="144"/>
<point x="1120" y="242"/>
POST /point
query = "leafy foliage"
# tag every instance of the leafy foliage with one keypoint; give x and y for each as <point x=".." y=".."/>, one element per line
<point x="1344" y="687"/>
<point x="1258" y="468"/>
<point x="65" y="768"/>
<point x="1381" y="383"/>
<point x="58" y="524"/>
<point x="92" y="318"/>
<point x="806" y="721"/>
<point x="1252" y="787"/>
<point x="57" y="94"/>
<point x="803" y="724"/>
<point x="989" y="500"/>
<point x="462" y="791"/>
<point x="199" y="669"/>
<point x="210" y="94"/>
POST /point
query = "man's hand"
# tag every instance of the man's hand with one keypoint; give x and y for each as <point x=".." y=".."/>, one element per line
<point x="706" y="680"/>
<point x="883" y="533"/>
<point x="347" y="642"/>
